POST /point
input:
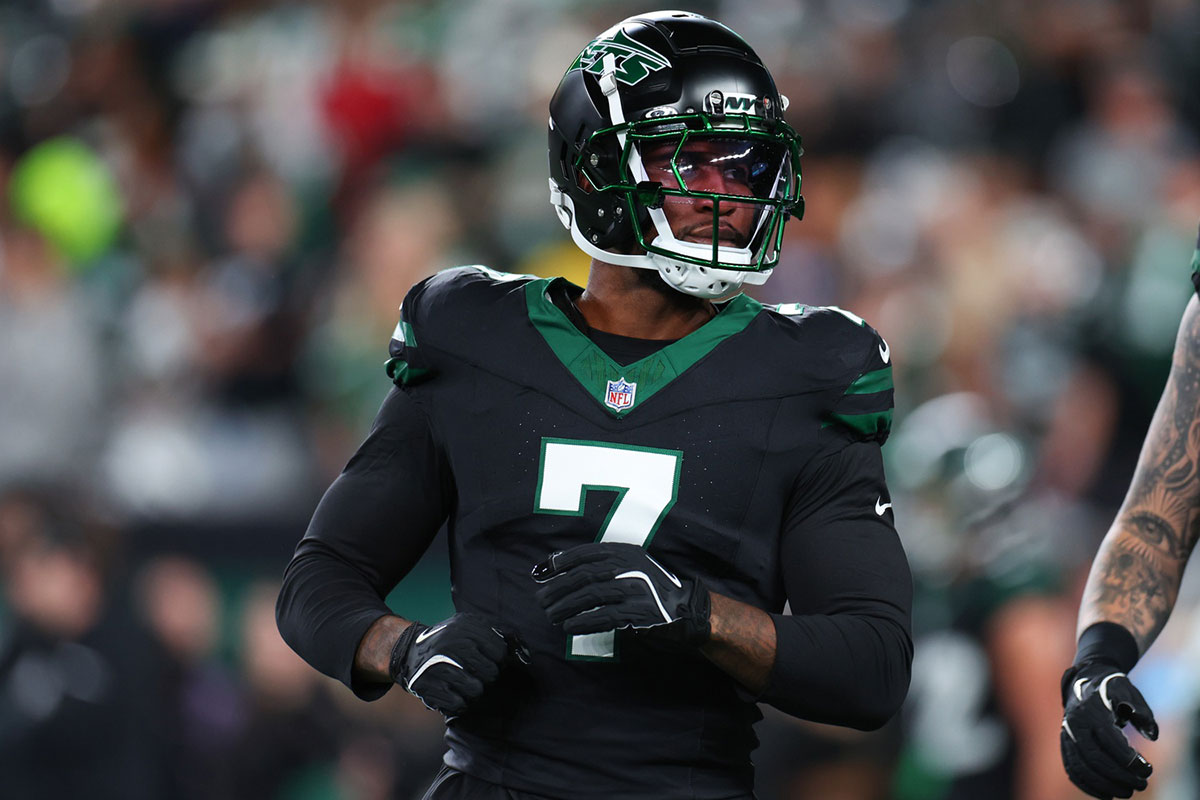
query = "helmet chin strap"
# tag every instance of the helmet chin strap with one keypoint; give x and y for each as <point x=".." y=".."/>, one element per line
<point x="694" y="279"/>
<point x="706" y="282"/>
<point x="709" y="283"/>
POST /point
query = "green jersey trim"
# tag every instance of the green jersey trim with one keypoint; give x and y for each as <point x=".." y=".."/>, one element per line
<point x="402" y="374"/>
<point x="865" y="424"/>
<point x="594" y="369"/>
<point x="405" y="333"/>
<point x="871" y="382"/>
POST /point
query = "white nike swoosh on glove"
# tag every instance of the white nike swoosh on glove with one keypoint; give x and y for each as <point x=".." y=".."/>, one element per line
<point x="426" y="634"/>
<point x="881" y="506"/>
<point x="670" y="577"/>
<point x="1104" y="689"/>
<point x="641" y="576"/>
<point x="434" y="661"/>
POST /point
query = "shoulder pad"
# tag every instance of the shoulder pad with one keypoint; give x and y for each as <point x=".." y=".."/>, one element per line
<point x="437" y="305"/>
<point x="863" y="359"/>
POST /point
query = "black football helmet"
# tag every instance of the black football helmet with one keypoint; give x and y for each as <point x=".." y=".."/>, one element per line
<point x="669" y="151"/>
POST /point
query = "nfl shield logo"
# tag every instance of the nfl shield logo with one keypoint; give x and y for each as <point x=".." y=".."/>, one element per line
<point x="619" y="395"/>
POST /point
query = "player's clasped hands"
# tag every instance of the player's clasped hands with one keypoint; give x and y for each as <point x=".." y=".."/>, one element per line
<point x="448" y="665"/>
<point x="1099" y="701"/>
<point x="604" y="586"/>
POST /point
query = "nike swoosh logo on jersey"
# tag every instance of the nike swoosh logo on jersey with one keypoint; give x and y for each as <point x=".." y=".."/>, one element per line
<point x="885" y="352"/>
<point x="426" y="634"/>
<point x="881" y="506"/>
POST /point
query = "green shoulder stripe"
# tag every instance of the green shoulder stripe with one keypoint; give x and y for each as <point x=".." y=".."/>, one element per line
<point x="405" y="334"/>
<point x="402" y="374"/>
<point x="865" y="424"/>
<point x="870" y="382"/>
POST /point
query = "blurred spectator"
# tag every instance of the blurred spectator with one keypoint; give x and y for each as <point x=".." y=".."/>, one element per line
<point x="53" y="407"/>
<point x="200" y="700"/>
<point x="75" y="716"/>
<point x="1114" y="163"/>
<point x="248" y="322"/>
<point x="289" y="738"/>
<point x="220" y="435"/>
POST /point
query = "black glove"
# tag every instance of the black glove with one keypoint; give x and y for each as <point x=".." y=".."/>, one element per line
<point x="449" y="665"/>
<point x="607" y="586"/>
<point x="1099" y="700"/>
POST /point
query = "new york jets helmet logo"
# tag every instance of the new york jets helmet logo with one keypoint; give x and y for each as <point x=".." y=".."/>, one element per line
<point x="634" y="60"/>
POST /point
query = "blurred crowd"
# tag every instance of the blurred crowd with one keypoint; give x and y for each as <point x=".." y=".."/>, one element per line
<point x="210" y="211"/>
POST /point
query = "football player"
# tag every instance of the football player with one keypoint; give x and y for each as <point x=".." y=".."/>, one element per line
<point x="1134" y="582"/>
<point x="636" y="476"/>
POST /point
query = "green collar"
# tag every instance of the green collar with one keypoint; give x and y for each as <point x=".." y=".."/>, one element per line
<point x="619" y="389"/>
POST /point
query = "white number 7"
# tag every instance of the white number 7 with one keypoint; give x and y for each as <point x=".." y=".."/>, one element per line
<point x="646" y="480"/>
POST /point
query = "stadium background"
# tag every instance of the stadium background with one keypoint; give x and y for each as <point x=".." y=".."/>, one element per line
<point x="211" y="210"/>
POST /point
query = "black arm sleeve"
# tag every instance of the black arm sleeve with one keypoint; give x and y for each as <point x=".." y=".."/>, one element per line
<point x="844" y="656"/>
<point x="373" y="524"/>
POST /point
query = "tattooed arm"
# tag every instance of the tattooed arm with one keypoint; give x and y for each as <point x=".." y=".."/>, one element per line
<point x="1133" y="586"/>
<point x="1135" y="577"/>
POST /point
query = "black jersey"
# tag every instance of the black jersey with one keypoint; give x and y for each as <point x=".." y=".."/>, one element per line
<point x="739" y="453"/>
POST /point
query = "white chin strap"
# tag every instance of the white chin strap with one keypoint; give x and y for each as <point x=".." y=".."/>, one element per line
<point x="694" y="279"/>
<point x="707" y="282"/>
<point x="699" y="281"/>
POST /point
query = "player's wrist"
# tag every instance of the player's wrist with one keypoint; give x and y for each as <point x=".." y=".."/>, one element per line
<point x="398" y="660"/>
<point x="698" y="614"/>
<point x="1105" y="648"/>
<point x="1107" y="641"/>
<point x="373" y="655"/>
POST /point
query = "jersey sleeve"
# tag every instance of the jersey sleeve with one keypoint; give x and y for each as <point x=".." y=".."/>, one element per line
<point x="431" y="336"/>
<point x="844" y="654"/>
<point x="407" y="363"/>
<point x="370" y="528"/>
<point x="863" y="411"/>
